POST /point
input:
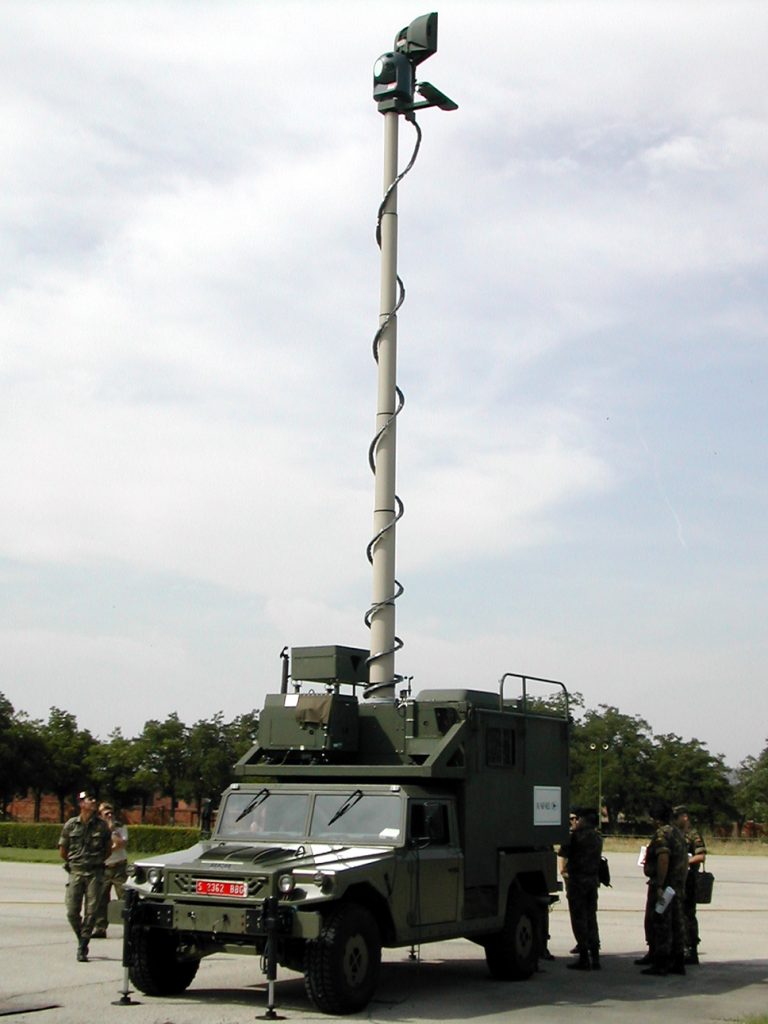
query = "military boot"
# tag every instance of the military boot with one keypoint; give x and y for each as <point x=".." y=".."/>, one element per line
<point x="582" y="964"/>
<point x="677" y="965"/>
<point x="660" y="966"/>
<point x="82" y="951"/>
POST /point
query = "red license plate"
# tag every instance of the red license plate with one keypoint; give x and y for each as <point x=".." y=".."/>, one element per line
<point x="208" y="887"/>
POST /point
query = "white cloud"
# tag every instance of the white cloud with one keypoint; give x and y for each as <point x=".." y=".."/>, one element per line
<point x="190" y="288"/>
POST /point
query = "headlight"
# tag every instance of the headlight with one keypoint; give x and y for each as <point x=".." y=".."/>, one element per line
<point x="155" y="877"/>
<point x="324" y="880"/>
<point x="285" y="884"/>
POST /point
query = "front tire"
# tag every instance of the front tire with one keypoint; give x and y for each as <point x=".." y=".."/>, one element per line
<point x="155" y="968"/>
<point x="341" y="967"/>
<point x="513" y="953"/>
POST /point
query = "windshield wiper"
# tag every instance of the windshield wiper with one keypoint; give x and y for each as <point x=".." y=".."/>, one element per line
<point x="348" y="804"/>
<point x="260" y="797"/>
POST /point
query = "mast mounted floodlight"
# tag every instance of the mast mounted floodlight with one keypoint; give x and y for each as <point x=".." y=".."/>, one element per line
<point x="394" y="75"/>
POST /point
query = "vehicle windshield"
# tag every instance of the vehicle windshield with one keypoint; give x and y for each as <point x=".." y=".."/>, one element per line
<point x="357" y="817"/>
<point x="263" y="815"/>
<point x="350" y="816"/>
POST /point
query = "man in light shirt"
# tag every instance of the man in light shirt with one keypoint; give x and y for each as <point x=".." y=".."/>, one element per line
<point x="115" y="868"/>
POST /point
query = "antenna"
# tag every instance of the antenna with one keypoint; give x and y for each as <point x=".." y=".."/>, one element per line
<point x="394" y="86"/>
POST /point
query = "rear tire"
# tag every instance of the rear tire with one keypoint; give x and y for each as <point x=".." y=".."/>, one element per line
<point x="341" y="967"/>
<point x="155" y="968"/>
<point x="513" y="953"/>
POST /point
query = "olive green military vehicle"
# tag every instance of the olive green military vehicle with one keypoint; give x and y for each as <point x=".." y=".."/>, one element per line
<point x="358" y="824"/>
<point x="381" y="822"/>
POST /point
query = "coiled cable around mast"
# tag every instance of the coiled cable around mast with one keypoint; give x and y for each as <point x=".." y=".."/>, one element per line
<point x="399" y="508"/>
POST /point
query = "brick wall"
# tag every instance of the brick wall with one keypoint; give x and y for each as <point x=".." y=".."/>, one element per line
<point x="158" y="811"/>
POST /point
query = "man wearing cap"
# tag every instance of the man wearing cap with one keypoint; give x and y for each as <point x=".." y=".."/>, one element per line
<point x="84" y="844"/>
<point x="115" y="869"/>
<point x="697" y="852"/>
<point x="580" y="868"/>
<point x="665" y="866"/>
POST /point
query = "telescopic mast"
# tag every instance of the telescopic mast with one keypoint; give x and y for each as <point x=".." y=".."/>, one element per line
<point x="394" y="88"/>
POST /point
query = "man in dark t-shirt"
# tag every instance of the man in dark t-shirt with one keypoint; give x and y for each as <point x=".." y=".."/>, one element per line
<point x="580" y="868"/>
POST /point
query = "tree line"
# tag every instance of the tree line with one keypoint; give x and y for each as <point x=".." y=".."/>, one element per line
<point x="614" y="756"/>
<point x="619" y="756"/>
<point x="182" y="762"/>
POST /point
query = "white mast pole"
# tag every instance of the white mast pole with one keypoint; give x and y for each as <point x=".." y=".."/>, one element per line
<point x="382" y="619"/>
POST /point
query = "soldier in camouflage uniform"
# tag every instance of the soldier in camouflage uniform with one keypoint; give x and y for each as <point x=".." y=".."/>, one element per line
<point x="697" y="852"/>
<point x="580" y="868"/>
<point x="84" y="845"/>
<point x="666" y="865"/>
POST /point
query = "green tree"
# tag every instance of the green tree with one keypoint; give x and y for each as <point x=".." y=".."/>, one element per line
<point x="144" y="781"/>
<point x="615" y="752"/>
<point x="214" y="748"/>
<point x="114" y="765"/>
<point x="751" y="788"/>
<point x="687" y="773"/>
<point x="8" y="754"/>
<point x="32" y="758"/>
<point x="243" y="731"/>
<point x="211" y="758"/>
<point x="24" y="761"/>
<point x="68" y="749"/>
<point x="164" y="749"/>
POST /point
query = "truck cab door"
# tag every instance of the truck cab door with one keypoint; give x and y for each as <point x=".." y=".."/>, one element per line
<point x="436" y="865"/>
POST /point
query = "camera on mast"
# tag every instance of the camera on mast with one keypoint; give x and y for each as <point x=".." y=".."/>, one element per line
<point x="394" y="74"/>
<point x="419" y="39"/>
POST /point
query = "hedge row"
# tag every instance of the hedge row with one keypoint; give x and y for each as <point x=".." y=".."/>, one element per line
<point x="141" y="838"/>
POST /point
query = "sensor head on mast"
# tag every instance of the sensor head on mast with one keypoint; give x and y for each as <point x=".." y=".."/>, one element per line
<point x="419" y="39"/>
<point x="393" y="82"/>
<point x="394" y="76"/>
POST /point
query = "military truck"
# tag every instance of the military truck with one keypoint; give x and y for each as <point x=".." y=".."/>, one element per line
<point x="357" y="824"/>
<point x="367" y="817"/>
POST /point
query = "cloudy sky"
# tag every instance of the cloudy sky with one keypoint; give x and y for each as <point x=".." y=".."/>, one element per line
<point x="189" y="281"/>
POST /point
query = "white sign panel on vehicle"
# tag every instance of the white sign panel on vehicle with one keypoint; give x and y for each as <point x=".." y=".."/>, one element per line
<point x="547" y="805"/>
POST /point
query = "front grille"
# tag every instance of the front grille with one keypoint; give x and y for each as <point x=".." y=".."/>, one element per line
<point x="181" y="885"/>
<point x="255" y="886"/>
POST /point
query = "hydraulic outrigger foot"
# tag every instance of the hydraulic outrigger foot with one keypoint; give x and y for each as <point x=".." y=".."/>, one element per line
<point x="270" y="1013"/>
<point x="125" y="994"/>
<point x="269" y="917"/>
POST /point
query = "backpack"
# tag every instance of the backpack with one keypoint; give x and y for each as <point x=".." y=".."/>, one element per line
<point x="604" y="872"/>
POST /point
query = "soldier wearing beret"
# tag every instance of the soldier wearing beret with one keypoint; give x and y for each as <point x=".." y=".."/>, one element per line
<point x="84" y="845"/>
<point x="697" y="852"/>
<point x="666" y="867"/>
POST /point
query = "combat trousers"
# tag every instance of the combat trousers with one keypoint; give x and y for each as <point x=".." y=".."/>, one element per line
<point x="679" y="934"/>
<point x="691" y="920"/>
<point x="582" y="906"/>
<point x="665" y="933"/>
<point x="83" y="892"/>
<point x="114" y="875"/>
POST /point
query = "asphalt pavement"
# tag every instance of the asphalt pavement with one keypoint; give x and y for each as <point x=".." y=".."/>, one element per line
<point x="41" y="981"/>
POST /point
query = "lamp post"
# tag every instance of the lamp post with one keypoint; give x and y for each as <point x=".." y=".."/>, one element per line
<point x="600" y="748"/>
